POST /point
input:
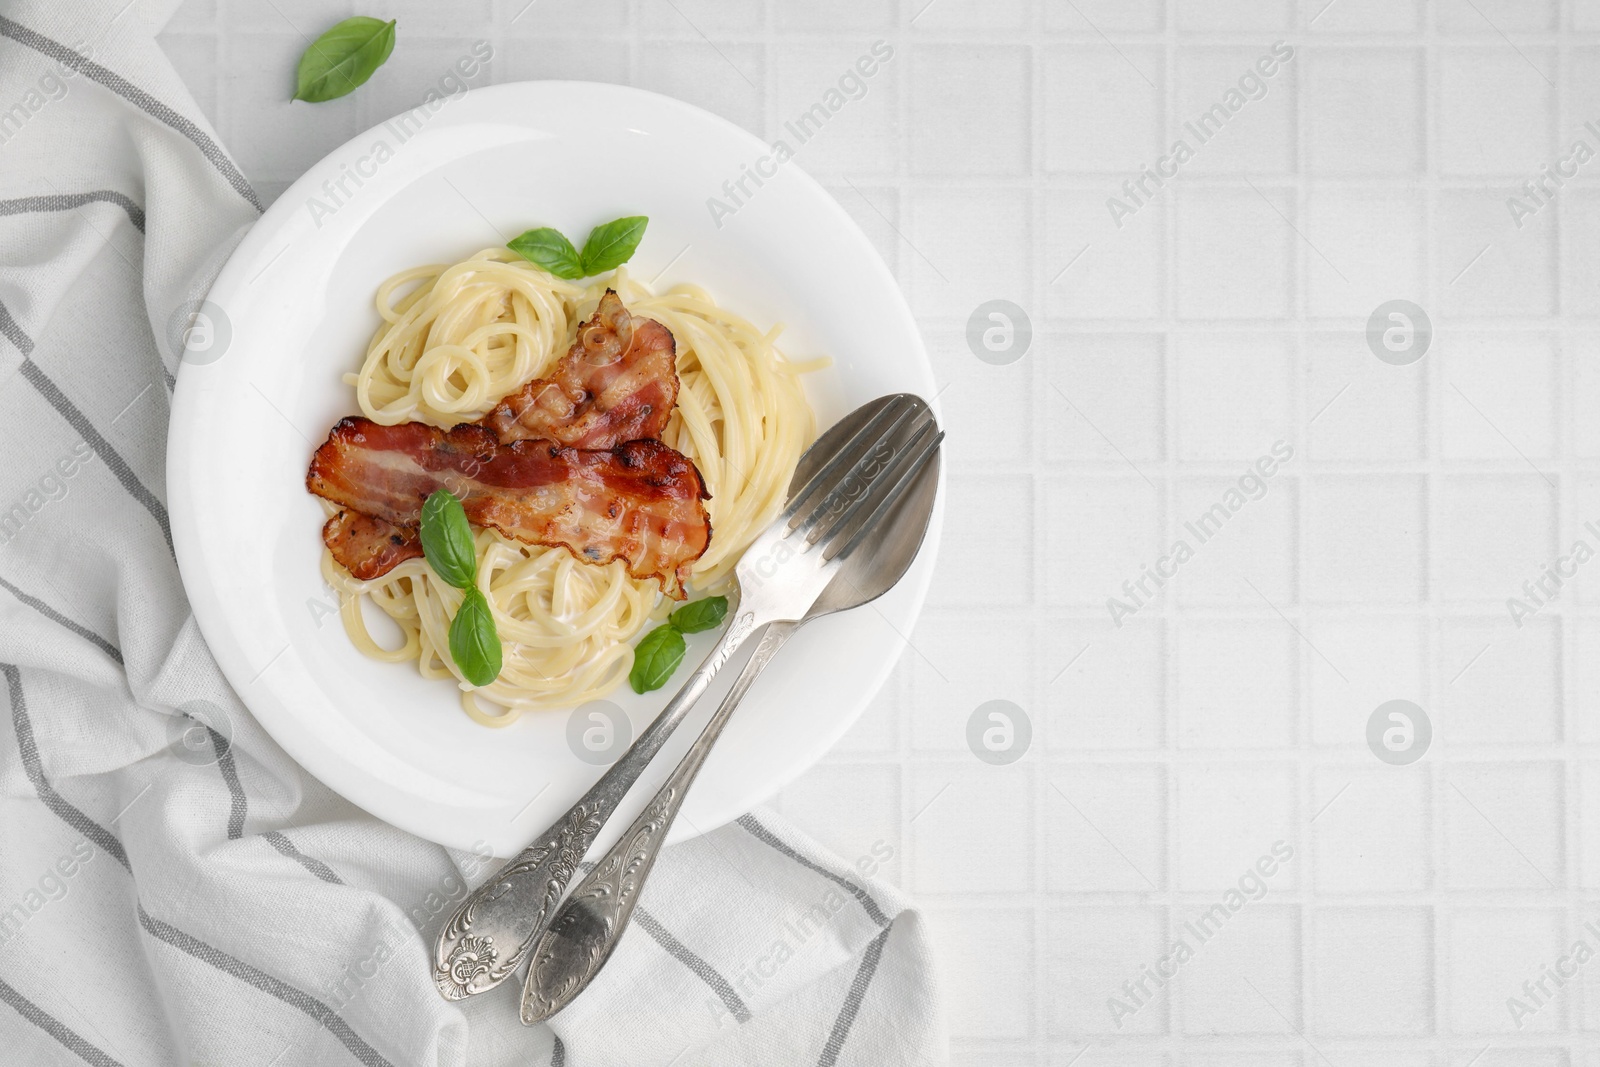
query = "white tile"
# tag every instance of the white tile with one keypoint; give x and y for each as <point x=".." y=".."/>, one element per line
<point x="1358" y="407"/>
<point x="1101" y="110"/>
<point x="1234" y="395"/>
<point x="1229" y="815"/>
<point x="724" y="79"/>
<point x="963" y="15"/>
<point x="1237" y="685"/>
<point x="853" y="811"/>
<point x="1249" y="556"/>
<point x="552" y="57"/>
<point x="988" y="994"/>
<point x="1580" y="266"/>
<point x="470" y="16"/>
<point x="1258" y="945"/>
<point x="983" y="408"/>
<point x="436" y="64"/>
<point x="1371" y="971"/>
<point x="862" y="136"/>
<point x="1585" y="14"/>
<point x="972" y="831"/>
<point x="192" y="15"/>
<point x="1091" y="16"/>
<point x="1586" y="814"/>
<point x="1578" y="542"/>
<point x="1499" y="400"/>
<point x="1366" y="16"/>
<point x="1104" y="398"/>
<point x="973" y="116"/>
<point x="1246" y="1059"/>
<point x="1486" y="553"/>
<point x="1235" y="256"/>
<point x="1511" y="693"/>
<point x="306" y="18"/>
<point x="1235" y="120"/>
<point x="1365" y="538"/>
<point x="1485" y="265"/>
<point x="1366" y="249"/>
<point x="1098" y="264"/>
<point x="1100" y="532"/>
<point x="1584" y="348"/>
<point x="1007" y="577"/>
<point x="1362" y="108"/>
<point x="1504" y="826"/>
<point x="1357" y="664"/>
<point x="1581" y="95"/>
<point x="1092" y="952"/>
<point x="1393" y="1057"/>
<point x="716" y="19"/>
<point x="571" y="18"/>
<point x="833" y="16"/>
<point x="955" y="666"/>
<point x="966" y="250"/>
<point x="1257" y="16"/>
<point x="1104" y="828"/>
<point x="1106" y="689"/>
<point x="1491" y="952"/>
<point x="1063" y="1058"/>
<point x="1585" y="667"/>
<point x="1492" y="17"/>
<point x="1370" y="829"/>
<point x="1495" y="109"/>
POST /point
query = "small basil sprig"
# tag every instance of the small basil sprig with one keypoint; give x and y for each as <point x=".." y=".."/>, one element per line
<point x="609" y="246"/>
<point x="658" y="655"/>
<point x="343" y="58"/>
<point x="448" y="545"/>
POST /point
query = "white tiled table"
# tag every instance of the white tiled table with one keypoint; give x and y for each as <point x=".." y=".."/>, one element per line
<point x="1226" y="313"/>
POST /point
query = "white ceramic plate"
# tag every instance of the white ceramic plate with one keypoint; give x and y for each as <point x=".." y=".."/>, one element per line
<point x="293" y="312"/>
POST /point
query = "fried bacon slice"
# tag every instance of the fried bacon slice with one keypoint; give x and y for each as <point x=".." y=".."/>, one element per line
<point x="618" y="382"/>
<point x="640" y="502"/>
<point x="367" y="547"/>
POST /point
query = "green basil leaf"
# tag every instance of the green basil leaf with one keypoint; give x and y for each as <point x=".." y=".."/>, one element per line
<point x="551" y="250"/>
<point x="474" y="643"/>
<point x="700" y="615"/>
<point x="447" y="540"/>
<point x="655" y="658"/>
<point x="612" y="245"/>
<point x="343" y="58"/>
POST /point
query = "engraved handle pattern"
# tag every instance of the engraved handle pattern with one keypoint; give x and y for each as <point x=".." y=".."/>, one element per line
<point x="491" y="932"/>
<point x="589" y="926"/>
<point x="467" y="963"/>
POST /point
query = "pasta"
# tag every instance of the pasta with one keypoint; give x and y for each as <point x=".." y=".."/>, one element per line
<point x="454" y="340"/>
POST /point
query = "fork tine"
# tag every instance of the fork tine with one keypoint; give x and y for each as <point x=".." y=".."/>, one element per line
<point x="871" y="499"/>
<point x="835" y="486"/>
<point x="851" y="495"/>
<point x="826" y="470"/>
<point x="919" y="461"/>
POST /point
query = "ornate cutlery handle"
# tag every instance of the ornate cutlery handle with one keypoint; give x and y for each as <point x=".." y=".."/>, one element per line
<point x="491" y="932"/>
<point x="581" y="937"/>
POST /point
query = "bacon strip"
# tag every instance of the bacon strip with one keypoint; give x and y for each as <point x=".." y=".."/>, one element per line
<point x="639" y="502"/>
<point x="618" y="382"/>
<point x="367" y="547"/>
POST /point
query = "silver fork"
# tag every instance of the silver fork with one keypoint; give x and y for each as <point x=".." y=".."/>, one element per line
<point x="592" y="920"/>
<point x="780" y="576"/>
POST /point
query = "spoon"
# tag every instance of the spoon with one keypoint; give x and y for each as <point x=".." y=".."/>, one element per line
<point x="590" y="924"/>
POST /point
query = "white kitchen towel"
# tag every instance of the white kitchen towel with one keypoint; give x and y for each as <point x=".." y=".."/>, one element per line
<point x="164" y="901"/>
